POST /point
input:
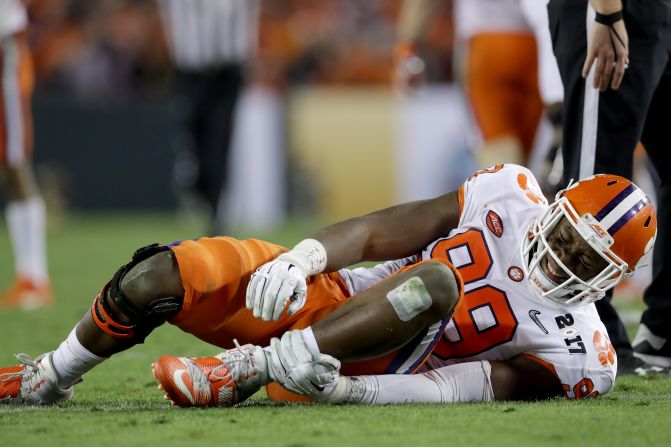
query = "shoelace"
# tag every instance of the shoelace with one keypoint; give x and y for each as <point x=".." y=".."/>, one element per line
<point x="244" y="362"/>
<point x="27" y="361"/>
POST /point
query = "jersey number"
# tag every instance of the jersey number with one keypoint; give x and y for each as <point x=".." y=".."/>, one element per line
<point x="494" y="302"/>
<point x="581" y="390"/>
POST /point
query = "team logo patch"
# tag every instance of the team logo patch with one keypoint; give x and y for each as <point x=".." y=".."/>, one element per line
<point x="494" y="223"/>
<point x="604" y="348"/>
<point x="515" y="273"/>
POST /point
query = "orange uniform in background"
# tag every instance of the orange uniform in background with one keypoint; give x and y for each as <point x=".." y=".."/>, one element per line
<point x="500" y="72"/>
<point x="502" y="86"/>
<point x="16" y="123"/>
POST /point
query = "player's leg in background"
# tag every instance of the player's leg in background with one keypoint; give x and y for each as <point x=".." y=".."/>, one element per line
<point x="25" y="210"/>
<point x="212" y="105"/>
<point x="529" y="106"/>
<point x="497" y="76"/>
<point x="652" y="342"/>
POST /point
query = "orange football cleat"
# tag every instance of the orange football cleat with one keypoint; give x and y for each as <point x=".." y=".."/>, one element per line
<point x="32" y="382"/>
<point x="219" y="381"/>
<point x="27" y="295"/>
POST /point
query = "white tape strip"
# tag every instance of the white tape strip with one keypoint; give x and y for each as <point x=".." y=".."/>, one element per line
<point x="410" y="298"/>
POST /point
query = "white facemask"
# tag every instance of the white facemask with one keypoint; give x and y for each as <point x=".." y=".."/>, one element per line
<point x="535" y="248"/>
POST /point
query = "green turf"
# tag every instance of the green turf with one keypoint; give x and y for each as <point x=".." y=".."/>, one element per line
<point x="118" y="403"/>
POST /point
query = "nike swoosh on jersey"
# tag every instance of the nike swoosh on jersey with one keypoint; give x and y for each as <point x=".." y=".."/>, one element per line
<point x="533" y="314"/>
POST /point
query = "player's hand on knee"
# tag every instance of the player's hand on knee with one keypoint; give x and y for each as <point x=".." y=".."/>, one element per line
<point x="272" y="286"/>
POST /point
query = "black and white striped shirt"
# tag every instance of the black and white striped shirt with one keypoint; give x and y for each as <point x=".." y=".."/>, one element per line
<point x="208" y="33"/>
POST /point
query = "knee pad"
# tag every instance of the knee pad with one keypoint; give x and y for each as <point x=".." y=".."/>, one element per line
<point x="140" y="321"/>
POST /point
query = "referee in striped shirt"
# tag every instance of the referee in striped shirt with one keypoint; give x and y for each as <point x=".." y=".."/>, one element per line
<point x="211" y="42"/>
<point x="614" y="59"/>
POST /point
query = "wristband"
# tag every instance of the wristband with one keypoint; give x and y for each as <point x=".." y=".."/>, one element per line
<point x="608" y="19"/>
<point x="309" y="256"/>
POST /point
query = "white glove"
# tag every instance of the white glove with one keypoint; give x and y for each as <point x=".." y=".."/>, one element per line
<point x="297" y="370"/>
<point x="272" y="286"/>
<point x="281" y="280"/>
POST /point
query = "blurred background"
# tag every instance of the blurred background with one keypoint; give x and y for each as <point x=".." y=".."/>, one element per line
<point x="318" y="132"/>
<point x="316" y="122"/>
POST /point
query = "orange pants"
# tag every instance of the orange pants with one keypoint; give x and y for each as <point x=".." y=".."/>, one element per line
<point x="502" y="85"/>
<point x="16" y="125"/>
<point x="215" y="273"/>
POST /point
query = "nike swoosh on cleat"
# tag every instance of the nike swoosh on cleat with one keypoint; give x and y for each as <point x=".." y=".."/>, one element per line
<point x="179" y="381"/>
<point x="533" y="314"/>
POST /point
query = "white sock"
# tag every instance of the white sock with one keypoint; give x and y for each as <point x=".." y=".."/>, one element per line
<point x="71" y="360"/>
<point x="463" y="382"/>
<point x="26" y="221"/>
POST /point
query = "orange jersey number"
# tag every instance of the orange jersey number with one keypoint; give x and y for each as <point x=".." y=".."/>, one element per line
<point x="473" y="339"/>
<point x="581" y="390"/>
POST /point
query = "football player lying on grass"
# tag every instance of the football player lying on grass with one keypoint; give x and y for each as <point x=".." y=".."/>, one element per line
<point x="488" y="296"/>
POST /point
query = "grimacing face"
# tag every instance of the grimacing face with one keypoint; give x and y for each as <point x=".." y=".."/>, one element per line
<point x="574" y="252"/>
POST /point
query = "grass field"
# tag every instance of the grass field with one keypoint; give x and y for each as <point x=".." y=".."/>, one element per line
<point x="118" y="403"/>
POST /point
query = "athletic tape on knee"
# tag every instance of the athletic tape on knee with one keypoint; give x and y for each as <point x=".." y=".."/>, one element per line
<point x="410" y="298"/>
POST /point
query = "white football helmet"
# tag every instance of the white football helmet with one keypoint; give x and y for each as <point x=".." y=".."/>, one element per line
<point x="616" y="219"/>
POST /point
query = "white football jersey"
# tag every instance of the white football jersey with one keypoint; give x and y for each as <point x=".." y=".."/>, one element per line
<point x="501" y="316"/>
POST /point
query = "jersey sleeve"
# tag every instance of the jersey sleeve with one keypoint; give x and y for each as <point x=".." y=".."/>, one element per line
<point x="497" y="184"/>
<point x="359" y="279"/>
<point x="585" y="375"/>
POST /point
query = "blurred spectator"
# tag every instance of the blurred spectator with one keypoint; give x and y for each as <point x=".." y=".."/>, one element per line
<point x="111" y="48"/>
<point x="211" y="43"/>
<point x="99" y="50"/>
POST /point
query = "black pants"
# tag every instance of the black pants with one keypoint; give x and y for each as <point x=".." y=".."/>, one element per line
<point x="211" y="97"/>
<point x="601" y="130"/>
